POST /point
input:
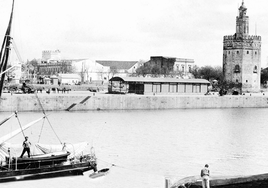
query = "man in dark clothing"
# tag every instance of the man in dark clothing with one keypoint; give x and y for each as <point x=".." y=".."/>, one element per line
<point x="205" y="177"/>
<point x="26" y="147"/>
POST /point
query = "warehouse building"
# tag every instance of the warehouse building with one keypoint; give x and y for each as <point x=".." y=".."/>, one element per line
<point x="142" y="85"/>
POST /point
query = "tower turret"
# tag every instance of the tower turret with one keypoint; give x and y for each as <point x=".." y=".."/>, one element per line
<point x="242" y="26"/>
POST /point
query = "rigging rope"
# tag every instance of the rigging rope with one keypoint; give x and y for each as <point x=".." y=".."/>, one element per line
<point x="16" y="50"/>
<point x="5" y="120"/>
<point x="119" y="166"/>
<point x="16" y="115"/>
<point x="41" y="130"/>
<point x="46" y="117"/>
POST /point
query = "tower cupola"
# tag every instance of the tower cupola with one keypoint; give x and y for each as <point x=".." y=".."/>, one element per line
<point x="242" y="25"/>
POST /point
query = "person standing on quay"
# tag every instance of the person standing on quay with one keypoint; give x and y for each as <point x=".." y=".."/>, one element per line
<point x="26" y="147"/>
<point x="205" y="177"/>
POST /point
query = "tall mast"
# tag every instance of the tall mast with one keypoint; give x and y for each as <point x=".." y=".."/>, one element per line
<point x="4" y="53"/>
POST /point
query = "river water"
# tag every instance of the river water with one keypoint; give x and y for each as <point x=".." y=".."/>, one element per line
<point x="147" y="146"/>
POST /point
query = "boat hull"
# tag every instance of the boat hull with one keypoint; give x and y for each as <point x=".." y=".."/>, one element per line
<point x="254" y="181"/>
<point x="37" y="161"/>
<point x="46" y="172"/>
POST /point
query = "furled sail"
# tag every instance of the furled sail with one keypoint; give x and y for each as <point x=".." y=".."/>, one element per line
<point x="75" y="150"/>
<point x="6" y="119"/>
<point x="5" y="49"/>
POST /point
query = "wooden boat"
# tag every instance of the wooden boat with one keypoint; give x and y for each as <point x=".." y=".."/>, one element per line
<point x="53" y="164"/>
<point x="68" y="168"/>
<point x="60" y="162"/>
<point x="253" y="181"/>
<point x="39" y="160"/>
<point x="100" y="173"/>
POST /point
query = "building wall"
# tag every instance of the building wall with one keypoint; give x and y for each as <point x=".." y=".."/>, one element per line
<point x="70" y="79"/>
<point x="163" y="62"/>
<point x="47" y="69"/>
<point x="165" y="88"/>
<point x="51" y="55"/>
<point x="134" y="68"/>
<point x="181" y="88"/>
<point x="183" y="65"/>
<point x="22" y="103"/>
<point x="148" y="88"/>
<point x="92" y="70"/>
<point x="173" y="88"/>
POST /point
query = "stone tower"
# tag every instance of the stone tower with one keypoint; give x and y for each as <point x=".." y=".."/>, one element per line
<point x="242" y="55"/>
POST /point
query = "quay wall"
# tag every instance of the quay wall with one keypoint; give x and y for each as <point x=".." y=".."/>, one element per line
<point x="9" y="103"/>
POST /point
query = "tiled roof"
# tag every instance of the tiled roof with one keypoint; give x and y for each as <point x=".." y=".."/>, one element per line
<point x="174" y="80"/>
<point x="118" y="64"/>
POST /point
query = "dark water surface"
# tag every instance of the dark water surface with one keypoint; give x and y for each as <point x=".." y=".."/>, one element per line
<point x="147" y="146"/>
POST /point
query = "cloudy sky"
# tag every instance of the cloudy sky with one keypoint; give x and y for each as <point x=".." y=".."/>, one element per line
<point x="130" y="29"/>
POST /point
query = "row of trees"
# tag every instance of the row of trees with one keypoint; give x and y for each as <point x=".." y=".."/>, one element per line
<point x="206" y="72"/>
<point x="216" y="78"/>
<point x="156" y="71"/>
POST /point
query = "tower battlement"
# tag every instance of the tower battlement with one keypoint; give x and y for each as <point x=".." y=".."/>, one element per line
<point x="246" y="41"/>
<point x="245" y="37"/>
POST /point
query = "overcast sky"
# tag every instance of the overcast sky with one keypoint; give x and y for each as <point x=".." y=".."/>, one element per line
<point x="130" y="29"/>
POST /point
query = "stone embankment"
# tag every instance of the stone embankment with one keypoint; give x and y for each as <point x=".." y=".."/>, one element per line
<point x="90" y="101"/>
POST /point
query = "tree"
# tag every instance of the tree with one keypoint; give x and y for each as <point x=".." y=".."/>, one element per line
<point x="153" y="70"/>
<point x="195" y="71"/>
<point x="143" y="70"/>
<point x="30" y="68"/>
<point x="216" y="73"/>
<point x="264" y="76"/>
<point x="176" y="74"/>
<point x="208" y="72"/>
<point x="230" y="86"/>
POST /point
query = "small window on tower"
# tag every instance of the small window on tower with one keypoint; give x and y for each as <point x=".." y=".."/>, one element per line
<point x="237" y="69"/>
<point x="255" y="70"/>
<point x="255" y="53"/>
<point x="237" y="52"/>
<point x="229" y="52"/>
<point x="246" y="80"/>
<point x="247" y="52"/>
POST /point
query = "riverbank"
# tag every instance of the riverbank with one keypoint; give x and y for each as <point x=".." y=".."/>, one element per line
<point x="85" y="100"/>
